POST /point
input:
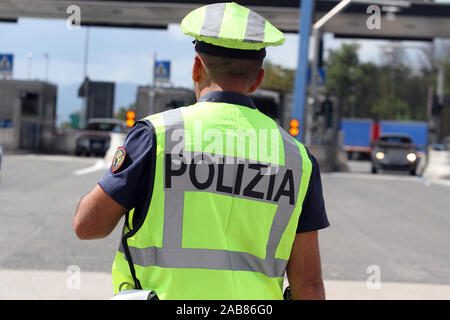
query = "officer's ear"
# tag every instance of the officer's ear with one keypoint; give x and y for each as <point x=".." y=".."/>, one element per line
<point x="259" y="79"/>
<point x="197" y="69"/>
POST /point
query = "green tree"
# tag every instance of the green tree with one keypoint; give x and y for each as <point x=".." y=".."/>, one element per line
<point x="278" y="78"/>
<point x="366" y="90"/>
<point x="369" y="79"/>
<point x="342" y="73"/>
<point x="121" y="114"/>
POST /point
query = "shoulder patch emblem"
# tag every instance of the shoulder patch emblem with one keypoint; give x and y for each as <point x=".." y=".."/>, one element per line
<point x="119" y="158"/>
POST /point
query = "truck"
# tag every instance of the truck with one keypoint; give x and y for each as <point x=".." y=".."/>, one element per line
<point x="359" y="134"/>
<point x="417" y="130"/>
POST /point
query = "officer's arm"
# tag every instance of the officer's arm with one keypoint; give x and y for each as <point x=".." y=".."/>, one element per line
<point x="97" y="215"/>
<point x="304" y="270"/>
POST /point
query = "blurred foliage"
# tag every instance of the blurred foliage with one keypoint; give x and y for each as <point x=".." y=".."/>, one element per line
<point x="121" y="114"/>
<point x="390" y="90"/>
<point x="278" y="78"/>
<point x="74" y="122"/>
<point x="66" y="125"/>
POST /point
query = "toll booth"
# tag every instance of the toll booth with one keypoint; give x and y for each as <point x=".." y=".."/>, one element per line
<point x="27" y="114"/>
<point x="99" y="100"/>
<point x="274" y="104"/>
<point x="151" y="100"/>
<point x="268" y="102"/>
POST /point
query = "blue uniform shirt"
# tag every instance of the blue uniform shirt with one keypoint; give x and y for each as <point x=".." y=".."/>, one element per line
<point x="129" y="185"/>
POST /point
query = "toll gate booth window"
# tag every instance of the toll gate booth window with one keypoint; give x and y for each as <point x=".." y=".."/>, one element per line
<point x="102" y="127"/>
<point x="174" y="104"/>
<point x="54" y="107"/>
<point x="396" y="139"/>
<point x="30" y="104"/>
<point x="5" y="123"/>
<point x="267" y="105"/>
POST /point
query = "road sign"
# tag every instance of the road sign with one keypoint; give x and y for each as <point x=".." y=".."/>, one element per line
<point x="6" y="64"/>
<point x="162" y="71"/>
<point x="320" y="76"/>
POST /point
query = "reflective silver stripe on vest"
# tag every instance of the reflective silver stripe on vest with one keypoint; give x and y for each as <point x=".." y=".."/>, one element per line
<point x="172" y="255"/>
<point x="173" y="200"/>
<point x="292" y="159"/>
<point x="206" y="259"/>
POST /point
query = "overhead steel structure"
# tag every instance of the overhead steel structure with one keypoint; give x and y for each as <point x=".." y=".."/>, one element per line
<point x="406" y="19"/>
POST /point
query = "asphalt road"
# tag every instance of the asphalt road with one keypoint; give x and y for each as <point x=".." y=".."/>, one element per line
<point x="396" y="222"/>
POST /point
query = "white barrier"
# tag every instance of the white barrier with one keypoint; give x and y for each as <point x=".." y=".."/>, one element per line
<point x="7" y="139"/>
<point x="117" y="140"/>
<point x="65" y="143"/>
<point x="438" y="166"/>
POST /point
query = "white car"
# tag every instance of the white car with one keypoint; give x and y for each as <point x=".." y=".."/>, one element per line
<point x="95" y="138"/>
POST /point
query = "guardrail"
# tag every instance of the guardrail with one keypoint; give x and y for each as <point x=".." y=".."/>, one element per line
<point x="438" y="165"/>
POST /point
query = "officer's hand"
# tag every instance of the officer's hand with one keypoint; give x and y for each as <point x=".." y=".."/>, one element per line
<point x="97" y="215"/>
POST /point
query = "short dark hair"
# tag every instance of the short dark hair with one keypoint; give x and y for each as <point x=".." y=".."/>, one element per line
<point x="220" y="69"/>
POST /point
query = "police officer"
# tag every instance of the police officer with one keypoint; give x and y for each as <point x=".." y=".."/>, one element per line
<point x="219" y="201"/>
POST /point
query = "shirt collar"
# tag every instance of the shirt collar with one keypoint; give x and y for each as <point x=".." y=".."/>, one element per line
<point x="228" y="97"/>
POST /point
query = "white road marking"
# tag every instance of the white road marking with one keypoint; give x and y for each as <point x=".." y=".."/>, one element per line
<point x="441" y="182"/>
<point x="43" y="157"/>
<point x="384" y="177"/>
<point x="99" y="165"/>
<point x="46" y="284"/>
<point x="372" y="176"/>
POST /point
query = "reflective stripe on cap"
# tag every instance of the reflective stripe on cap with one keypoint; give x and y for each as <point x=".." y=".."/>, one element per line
<point x="232" y="26"/>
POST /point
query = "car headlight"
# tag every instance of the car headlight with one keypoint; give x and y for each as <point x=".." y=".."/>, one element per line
<point x="379" y="155"/>
<point x="411" y="157"/>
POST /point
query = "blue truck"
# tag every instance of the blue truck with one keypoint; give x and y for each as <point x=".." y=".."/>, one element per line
<point x="359" y="134"/>
<point x="417" y="130"/>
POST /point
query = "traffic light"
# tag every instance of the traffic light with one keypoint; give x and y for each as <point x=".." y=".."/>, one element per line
<point x="131" y="115"/>
<point x="294" y="127"/>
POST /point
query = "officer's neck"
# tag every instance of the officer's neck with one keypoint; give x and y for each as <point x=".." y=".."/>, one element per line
<point x="212" y="86"/>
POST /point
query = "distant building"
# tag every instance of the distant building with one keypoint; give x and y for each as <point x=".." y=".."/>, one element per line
<point x="27" y="114"/>
<point x="151" y="100"/>
<point x="100" y="100"/>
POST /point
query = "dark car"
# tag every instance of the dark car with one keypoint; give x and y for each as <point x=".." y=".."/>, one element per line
<point x="95" y="138"/>
<point x="394" y="152"/>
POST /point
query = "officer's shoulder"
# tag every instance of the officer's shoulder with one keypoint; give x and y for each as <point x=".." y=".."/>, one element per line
<point x="312" y="158"/>
<point x="306" y="152"/>
<point x="160" y="115"/>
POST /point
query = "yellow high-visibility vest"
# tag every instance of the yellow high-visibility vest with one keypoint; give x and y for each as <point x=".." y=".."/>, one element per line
<point x="227" y="194"/>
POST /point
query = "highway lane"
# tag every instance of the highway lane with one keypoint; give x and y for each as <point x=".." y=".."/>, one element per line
<point x="393" y="221"/>
<point x="38" y="199"/>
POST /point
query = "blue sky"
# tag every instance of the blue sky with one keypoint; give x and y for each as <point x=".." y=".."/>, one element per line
<point x="121" y="55"/>
<point x="116" y="54"/>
